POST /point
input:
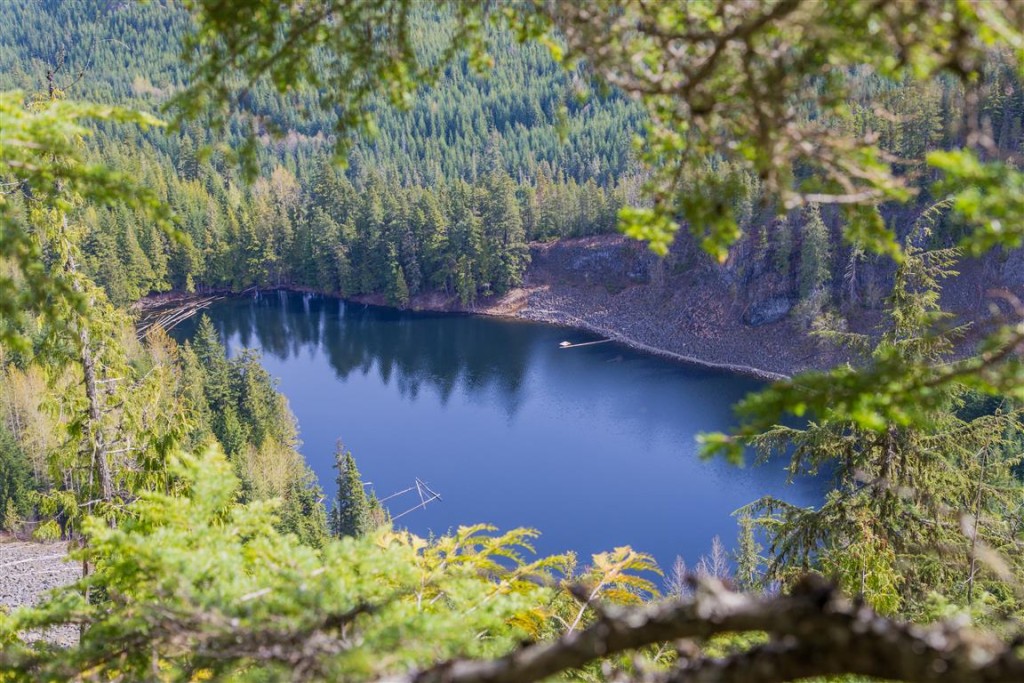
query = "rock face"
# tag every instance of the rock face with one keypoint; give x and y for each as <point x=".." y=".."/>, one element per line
<point x="1012" y="271"/>
<point x="685" y="305"/>
<point x="767" y="312"/>
<point x="689" y="307"/>
<point x="28" y="570"/>
<point x="607" y="261"/>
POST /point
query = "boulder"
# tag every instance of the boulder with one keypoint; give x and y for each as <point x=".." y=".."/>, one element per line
<point x="768" y="311"/>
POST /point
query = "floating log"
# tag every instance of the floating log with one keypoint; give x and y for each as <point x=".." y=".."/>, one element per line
<point x="570" y="345"/>
<point x="398" y="493"/>
<point x="426" y="494"/>
<point x="421" y="506"/>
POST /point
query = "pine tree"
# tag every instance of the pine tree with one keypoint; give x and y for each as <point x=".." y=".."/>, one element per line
<point x="782" y="253"/>
<point x="899" y="489"/>
<point x="15" y="481"/>
<point x="351" y="515"/>
<point x="397" y="289"/>
<point x="192" y="394"/>
<point x="213" y="361"/>
<point x="748" y="557"/>
<point x="187" y="166"/>
<point x="302" y="513"/>
<point x="815" y="256"/>
<point x="504" y="237"/>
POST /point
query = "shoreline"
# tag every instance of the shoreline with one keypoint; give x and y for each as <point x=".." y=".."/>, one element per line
<point x="501" y="308"/>
<point x="551" y="317"/>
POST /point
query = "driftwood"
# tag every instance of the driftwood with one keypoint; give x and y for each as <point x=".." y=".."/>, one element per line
<point x="813" y="632"/>
<point x="170" y="317"/>
<point x="426" y="494"/>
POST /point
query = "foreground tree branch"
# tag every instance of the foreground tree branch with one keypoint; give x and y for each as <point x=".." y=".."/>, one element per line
<point x="814" y="632"/>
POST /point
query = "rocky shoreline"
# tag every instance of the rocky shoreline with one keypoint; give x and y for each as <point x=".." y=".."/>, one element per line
<point x="613" y="287"/>
<point x="684" y="308"/>
<point x="27" y="571"/>
<point x="540" y="305"/>
<point x="690" y="310"/>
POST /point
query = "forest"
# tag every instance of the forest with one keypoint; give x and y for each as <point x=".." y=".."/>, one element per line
<point x="444" y="197"/>
<point x="397" y="148"/>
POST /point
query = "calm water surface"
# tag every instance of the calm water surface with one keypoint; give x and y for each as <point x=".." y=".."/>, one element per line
<point x="594" y="446"/>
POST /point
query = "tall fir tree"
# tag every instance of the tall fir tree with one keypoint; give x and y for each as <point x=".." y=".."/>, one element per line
<point x="351" y="515"/>
<point x="899" y="491"/>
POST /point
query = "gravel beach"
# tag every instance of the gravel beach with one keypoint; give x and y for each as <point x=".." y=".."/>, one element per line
<point x="28" y="570"/>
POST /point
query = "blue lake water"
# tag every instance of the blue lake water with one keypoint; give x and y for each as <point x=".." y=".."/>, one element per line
<point x="594" y="446"/>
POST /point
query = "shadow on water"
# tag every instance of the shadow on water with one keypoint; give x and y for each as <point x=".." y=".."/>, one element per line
<point x="412" y="350"/>
<point x="592" y="445"/>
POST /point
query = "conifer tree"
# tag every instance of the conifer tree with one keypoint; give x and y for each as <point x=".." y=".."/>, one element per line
<point x="899" y="491"/>
<point x="748" y="557"/>
<point x="187" y="164"/>
<point x="213" y="361"/>
<point x="505" y="238"/>
<point x="15" y="481"/>
<point x="397" y="289"/>
<point x="815" y="254"/>
<point x="351" y="515"/>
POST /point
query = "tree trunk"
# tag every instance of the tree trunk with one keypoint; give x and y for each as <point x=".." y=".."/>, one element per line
<point x="100" y="464"/>
<point x="99" y="447"/>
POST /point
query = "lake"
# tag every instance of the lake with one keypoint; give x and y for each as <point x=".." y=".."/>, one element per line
<point x="594" y="446"/>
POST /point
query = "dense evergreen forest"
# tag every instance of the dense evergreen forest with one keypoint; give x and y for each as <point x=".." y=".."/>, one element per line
<point x="803" y="136"/>
<point x="443" y="197"/>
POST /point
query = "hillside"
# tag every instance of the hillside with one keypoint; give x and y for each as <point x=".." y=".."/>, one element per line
<point x="614" y="286"/>
<point x="444" y="200"/>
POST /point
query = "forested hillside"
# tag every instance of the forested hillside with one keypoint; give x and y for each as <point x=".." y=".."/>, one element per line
<point x="444" y="197"/>
<point x="844" y="156"/>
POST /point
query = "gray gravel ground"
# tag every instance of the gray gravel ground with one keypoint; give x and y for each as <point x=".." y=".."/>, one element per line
<point x="28" y="570"/>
